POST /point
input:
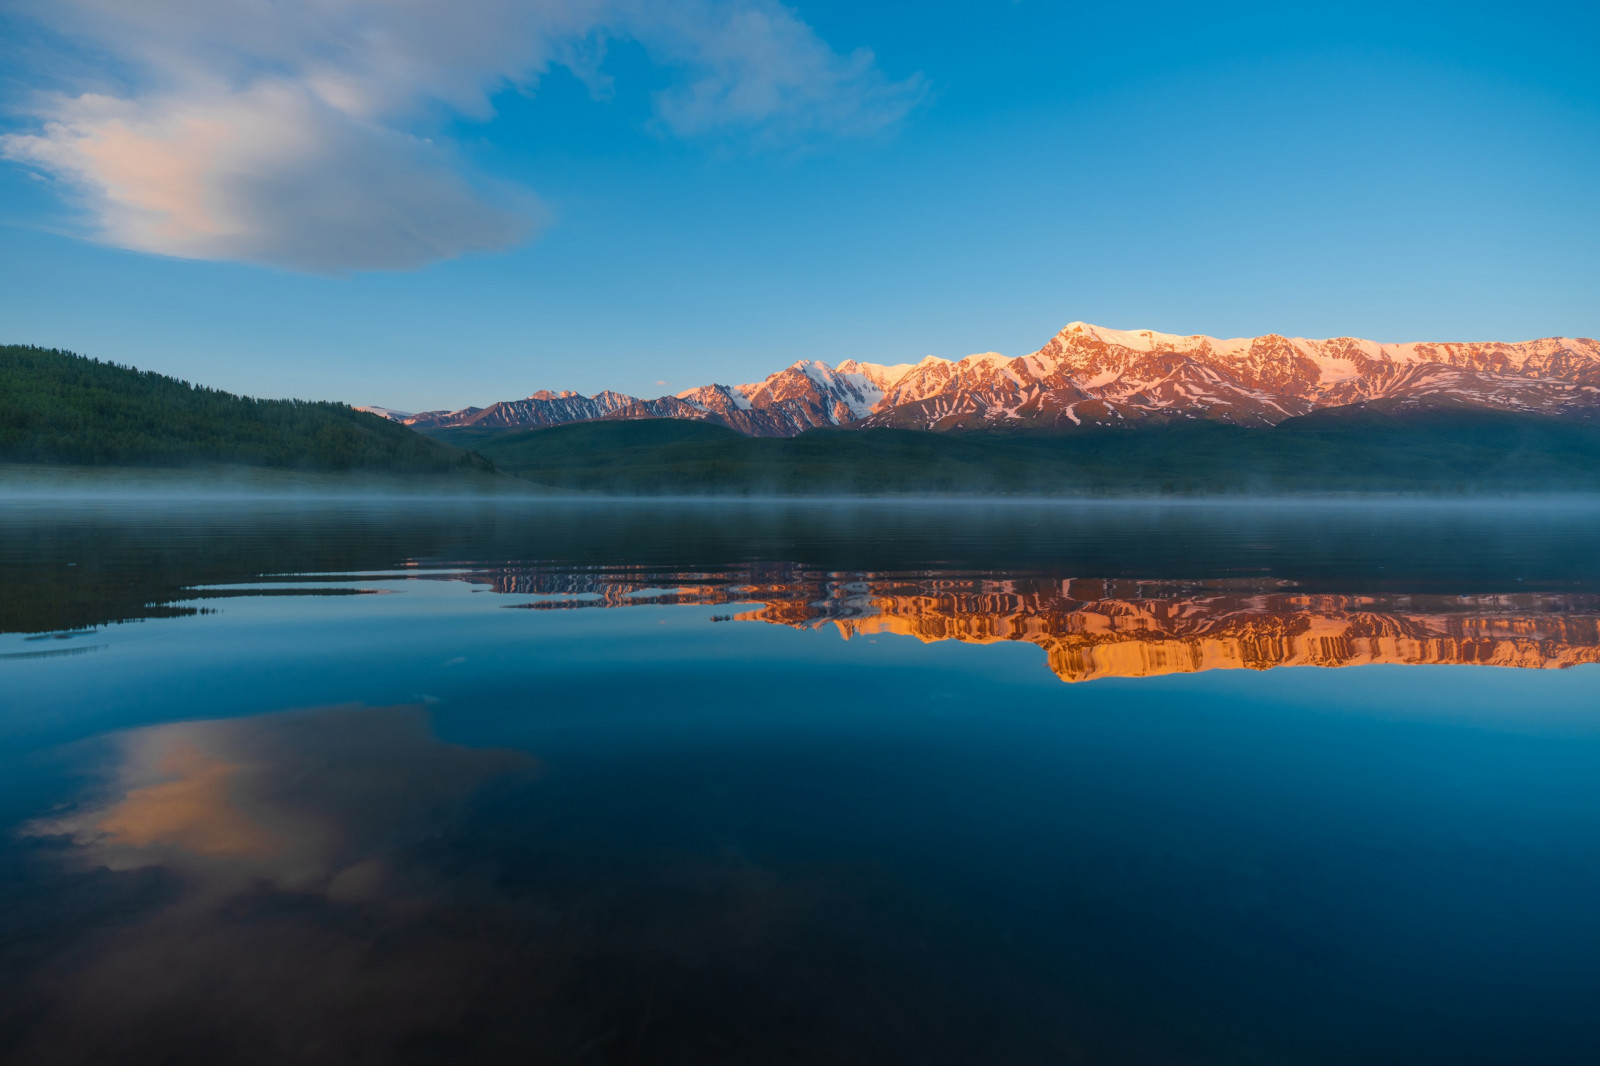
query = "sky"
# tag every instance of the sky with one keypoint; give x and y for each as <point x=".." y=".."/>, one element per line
<point x="429" y="204"/>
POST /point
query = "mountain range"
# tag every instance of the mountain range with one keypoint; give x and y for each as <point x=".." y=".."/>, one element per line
<point x="1090" y="376"/>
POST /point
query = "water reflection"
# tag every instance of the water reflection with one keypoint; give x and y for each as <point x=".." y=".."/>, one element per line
<point x="843" y="885"/>
<point x="651" y="837"/>
<point x="1098" y="628"/>
<point x="333" y="886"/>
<point x="65" y="566"/>
<point x="241" y="893"/>
<point x="308" y="801"/>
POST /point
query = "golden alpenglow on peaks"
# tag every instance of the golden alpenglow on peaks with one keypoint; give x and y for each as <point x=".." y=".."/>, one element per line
<point x="1095" y="628"/>
<point x="1087" y="375"/>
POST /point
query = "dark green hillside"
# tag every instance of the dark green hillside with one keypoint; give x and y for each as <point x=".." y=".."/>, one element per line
<point x="1344" y="450"/>
<point x="57" y="407"/>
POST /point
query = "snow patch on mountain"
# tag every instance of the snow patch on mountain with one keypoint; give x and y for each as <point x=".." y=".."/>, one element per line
<point x="386" y="412"/>
<point x="880" y="376"/>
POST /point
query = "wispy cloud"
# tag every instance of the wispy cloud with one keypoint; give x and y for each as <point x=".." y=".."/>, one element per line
<point x="755" y="66"/>
<point x="295" y="132"/>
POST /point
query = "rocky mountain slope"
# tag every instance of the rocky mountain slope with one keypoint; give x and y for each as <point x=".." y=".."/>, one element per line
<point x="1088" y="376"/>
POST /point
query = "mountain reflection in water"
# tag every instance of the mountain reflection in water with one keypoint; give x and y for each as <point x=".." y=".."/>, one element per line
<point x="1096" y="628"/>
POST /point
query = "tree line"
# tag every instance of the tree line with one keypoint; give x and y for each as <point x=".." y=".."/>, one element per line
<point x="60" y="407"/>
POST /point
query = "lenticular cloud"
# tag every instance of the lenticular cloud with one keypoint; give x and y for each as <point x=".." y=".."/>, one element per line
<point x="297" y="136"/>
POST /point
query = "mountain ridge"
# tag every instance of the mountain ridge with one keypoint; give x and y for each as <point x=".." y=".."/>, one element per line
<point x="1089" y="375"/>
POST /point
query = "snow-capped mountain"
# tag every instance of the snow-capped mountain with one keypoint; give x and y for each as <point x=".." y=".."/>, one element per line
<point x="1087" y="375"/>
<point x="801" y="397"/>
<point x="387" y="412"/>
<point x="1090" y="375"/>
<point x="543" y="408"/>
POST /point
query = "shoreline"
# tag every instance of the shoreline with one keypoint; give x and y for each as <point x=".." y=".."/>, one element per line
<point x="43" y="484"/>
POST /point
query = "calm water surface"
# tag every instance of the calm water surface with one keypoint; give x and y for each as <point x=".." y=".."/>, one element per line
<point x="752" y="783"/>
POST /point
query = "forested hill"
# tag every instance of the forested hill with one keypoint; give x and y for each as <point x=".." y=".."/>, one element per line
<point x="58" y="407"/>
<point x="1361" y="448"/>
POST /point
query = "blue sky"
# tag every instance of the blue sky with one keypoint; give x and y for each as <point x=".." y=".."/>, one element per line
<point x="431" y="205"/>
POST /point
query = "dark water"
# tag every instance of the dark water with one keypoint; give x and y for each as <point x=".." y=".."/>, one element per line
<point x="703" y="783"/>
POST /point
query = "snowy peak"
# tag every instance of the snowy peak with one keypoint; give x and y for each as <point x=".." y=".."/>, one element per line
<point x="810" y="393"/>
<point x="881" y="377"/>
<point x="1142" y="340"/>
<point x="717" y="397"/>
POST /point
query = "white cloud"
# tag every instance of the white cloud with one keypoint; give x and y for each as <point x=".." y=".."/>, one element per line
<point x="267" y="175"/>
<point x="291" y="132"/>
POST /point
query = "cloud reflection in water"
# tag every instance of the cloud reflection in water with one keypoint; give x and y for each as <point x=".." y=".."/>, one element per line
<point x="300" y="801"/>
<point x="318" y="886"/>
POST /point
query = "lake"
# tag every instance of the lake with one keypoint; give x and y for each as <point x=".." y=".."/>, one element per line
<point x="943" y="781"/>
